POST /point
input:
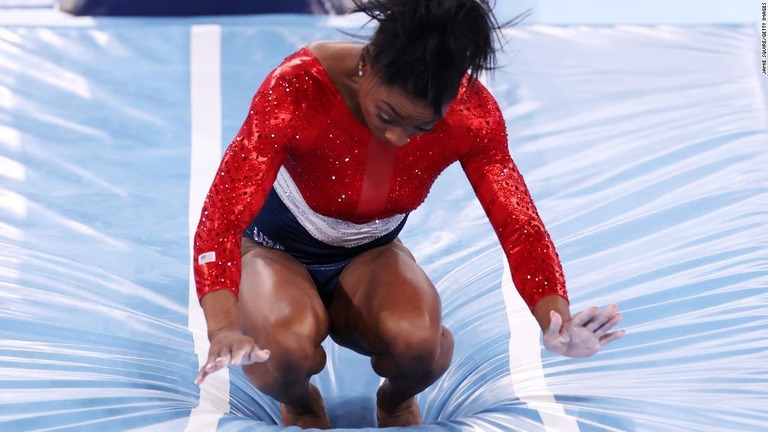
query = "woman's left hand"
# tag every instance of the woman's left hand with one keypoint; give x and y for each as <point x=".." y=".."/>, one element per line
<point x="584" y="334"/>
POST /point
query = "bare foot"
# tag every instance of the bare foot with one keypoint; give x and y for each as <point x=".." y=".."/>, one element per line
<point x="312" y="416"/>
<point x="405" y="414"/>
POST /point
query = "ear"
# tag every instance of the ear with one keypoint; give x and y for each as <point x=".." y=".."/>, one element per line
<point x="365" y="59"/>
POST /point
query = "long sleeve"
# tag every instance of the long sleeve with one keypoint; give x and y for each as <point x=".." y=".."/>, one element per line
<point x="279" y="116"/>
<point x="501" y="190"/>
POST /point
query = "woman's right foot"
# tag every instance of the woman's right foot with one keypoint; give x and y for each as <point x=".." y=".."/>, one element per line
<point x="313" y="415"/>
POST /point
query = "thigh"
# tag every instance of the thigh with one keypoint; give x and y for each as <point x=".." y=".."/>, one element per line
<point x="383" y="292"/>
<point x="278" y="298"/>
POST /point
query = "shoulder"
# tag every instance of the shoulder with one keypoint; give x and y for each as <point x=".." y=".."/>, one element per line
<point x="336" y="60"/>
<point x="476" y="108"/>
<point x="336" y="57"/>
<point x="474" y="97"/>
<point x="300" y="64"/>
<point x="324" y="60"/>
<point x="477" y="122"/>
<point x="299" y="77"/>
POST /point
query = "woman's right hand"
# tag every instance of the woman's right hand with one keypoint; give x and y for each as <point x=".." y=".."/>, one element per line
<point x="230" y="347"/>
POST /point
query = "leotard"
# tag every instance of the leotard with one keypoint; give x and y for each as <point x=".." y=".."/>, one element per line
<point x="348" y="188"/>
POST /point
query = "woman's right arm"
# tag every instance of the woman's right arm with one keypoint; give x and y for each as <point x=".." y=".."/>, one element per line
<point x="239" y="189"/>
<point x="276" y="120"/>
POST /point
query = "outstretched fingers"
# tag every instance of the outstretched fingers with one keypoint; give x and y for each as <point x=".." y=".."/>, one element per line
<point x="254" y="355"/>
<point x="583" y="318"/>
<point x="602" y="324"/>
<point x="606" y="325"/>
<point x="214" y="363"/>
<point x="242" y="355"/>
<point x="606" y="319"/>
<point x="584" y="334"/>
<point x="612" y="336"/>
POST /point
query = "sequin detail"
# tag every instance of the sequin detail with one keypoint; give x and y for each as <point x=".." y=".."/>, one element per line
<point x="298" y="120"/>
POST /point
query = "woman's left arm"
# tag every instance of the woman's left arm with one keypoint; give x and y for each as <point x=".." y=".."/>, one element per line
<point x="535" y="266"/>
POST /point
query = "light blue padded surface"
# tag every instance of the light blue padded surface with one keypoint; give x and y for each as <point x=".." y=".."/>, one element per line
<point x="644" y="147"/>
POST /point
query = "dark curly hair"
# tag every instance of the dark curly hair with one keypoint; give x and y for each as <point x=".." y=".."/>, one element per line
<point x="425" y="47"/>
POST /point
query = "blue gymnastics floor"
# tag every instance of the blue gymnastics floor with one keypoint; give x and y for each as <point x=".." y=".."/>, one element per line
<point x="645" y="148"/>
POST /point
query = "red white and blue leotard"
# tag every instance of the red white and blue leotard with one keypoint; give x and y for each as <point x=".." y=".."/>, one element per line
<point x="347" y="188"/>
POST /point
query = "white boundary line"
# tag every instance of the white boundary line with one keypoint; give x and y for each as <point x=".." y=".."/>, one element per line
<point x="525" y="368"/>
<point x="526" y="371"/>
<point x="205" y="101"/>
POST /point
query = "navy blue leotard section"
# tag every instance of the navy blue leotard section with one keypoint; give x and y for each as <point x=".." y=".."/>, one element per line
<point x="277" y="228"/>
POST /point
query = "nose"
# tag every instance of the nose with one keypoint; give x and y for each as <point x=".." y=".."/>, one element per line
<point x="397" y="137"/>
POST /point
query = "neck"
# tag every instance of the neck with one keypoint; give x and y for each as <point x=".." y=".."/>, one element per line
<point x="354" y="81"/>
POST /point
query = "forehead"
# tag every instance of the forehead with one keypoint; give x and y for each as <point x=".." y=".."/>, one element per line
<point x="394" y="98"/>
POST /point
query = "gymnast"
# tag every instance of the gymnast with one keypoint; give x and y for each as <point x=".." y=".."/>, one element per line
<point x="298" y="236"/>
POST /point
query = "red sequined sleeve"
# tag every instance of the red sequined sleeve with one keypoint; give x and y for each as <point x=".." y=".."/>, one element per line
<point x="278" y="116"/>
<point x="535" y="266"/>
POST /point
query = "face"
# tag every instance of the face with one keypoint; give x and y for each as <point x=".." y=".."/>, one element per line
<point x="392" y="115"/>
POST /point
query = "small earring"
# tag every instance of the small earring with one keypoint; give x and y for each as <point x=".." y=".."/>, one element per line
<point x="360" y="69"/>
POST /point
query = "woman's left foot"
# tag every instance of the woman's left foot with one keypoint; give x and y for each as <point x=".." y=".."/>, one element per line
<point x="405" y="414"/>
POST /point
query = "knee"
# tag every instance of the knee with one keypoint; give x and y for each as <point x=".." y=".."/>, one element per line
<point x="298" y="352"/>
<point x="295" y="355"/>
<point x="295" y="346"/>
<point x="419" y="346"/>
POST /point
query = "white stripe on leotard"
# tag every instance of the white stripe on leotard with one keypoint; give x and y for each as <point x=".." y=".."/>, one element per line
<point x="335" y="232"/>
